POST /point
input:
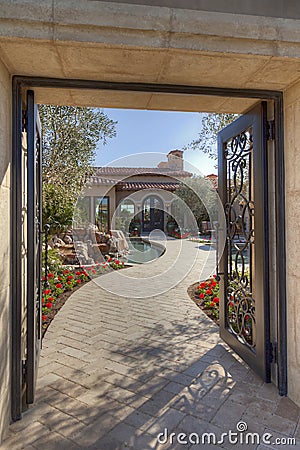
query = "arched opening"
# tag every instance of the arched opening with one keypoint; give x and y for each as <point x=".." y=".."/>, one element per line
<point x="152" y="214"/>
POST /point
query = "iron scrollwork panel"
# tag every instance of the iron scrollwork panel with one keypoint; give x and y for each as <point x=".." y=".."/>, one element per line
<point x="239" y="211"/>
<point x="34" y="247"/>
<point x="38" y="243"/>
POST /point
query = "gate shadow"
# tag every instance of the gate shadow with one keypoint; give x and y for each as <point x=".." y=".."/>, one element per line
<point x="175" y="376"/>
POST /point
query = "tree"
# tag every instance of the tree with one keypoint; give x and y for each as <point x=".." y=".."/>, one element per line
<point x="211" y="124"/>
<point x="201" y="198"/>
<point x="70" y="137"/>
<point x="58" y="208"/>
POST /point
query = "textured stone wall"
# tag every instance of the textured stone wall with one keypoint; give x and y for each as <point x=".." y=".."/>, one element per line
<point x="5" y="192"/>
<point x="272" y="8"/>
<point x="292" y="170"/>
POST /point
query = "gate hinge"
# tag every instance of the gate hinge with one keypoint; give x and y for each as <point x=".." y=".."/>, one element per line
<point x="273" y="352"/>
<point x="271" y="130"/>
<point x="24" y="120"/>
<point x="24" y="368"/>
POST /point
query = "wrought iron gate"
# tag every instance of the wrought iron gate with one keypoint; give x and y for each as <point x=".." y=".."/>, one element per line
<point x="244" y="298"/>
<point x="34" y="246"/>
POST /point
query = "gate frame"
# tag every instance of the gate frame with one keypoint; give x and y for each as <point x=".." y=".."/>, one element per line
<point x="260" y="357"/>
<point x="19" y="84"/>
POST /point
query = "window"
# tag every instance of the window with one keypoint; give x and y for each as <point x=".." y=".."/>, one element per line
<point x="102" y="214"/>
<point x="124" y="215"/>
<point x="127" y="208"/>
<point x="153" y="213"/>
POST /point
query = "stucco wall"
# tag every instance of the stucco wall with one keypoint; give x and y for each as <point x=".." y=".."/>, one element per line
<point x="272" y="8"/>
<point x="292" y="169"/>
<point x="5" y="163"/>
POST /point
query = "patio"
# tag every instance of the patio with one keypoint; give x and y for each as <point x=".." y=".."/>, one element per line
<point x="115" y="371"/>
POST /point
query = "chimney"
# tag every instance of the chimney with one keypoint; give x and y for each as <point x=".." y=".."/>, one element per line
<point x="175" y="160"/>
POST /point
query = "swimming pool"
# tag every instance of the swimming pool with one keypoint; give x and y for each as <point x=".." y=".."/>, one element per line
<point x="141" y="252"/>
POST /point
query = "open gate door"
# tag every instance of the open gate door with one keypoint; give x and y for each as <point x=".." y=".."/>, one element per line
<point x="34" y="246"/>
<point x="243" y="182"/>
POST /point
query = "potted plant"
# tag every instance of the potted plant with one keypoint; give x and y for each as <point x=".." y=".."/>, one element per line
<point x="171" y="225"/>
<point x="135" y="227"/>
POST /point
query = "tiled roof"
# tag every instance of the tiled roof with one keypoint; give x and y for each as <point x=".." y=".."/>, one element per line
<point x="213" y="179"/>
<point x="100" y="171"/>
<point x="95" y="180"/>
<point x="138" y="185"/>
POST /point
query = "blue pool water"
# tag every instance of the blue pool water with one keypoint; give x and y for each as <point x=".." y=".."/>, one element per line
<point x="141" y="252"/>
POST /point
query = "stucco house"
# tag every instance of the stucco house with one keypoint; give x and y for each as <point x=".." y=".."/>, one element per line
<point x="140" y="194"/>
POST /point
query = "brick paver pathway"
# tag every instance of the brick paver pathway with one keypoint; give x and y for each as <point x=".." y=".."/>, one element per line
<point x="116" y="371"/>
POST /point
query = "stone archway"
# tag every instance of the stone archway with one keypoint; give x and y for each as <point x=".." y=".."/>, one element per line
<point x="186" y="91"/>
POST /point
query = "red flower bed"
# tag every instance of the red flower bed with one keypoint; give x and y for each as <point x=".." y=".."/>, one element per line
<point x="208" y="293"/>
<point x="179" y="235"/>
<point x="67" y="279"/>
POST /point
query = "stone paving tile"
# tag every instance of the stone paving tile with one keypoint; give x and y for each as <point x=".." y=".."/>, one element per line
<point x="229" y="413"/>
<point x="250" y="438"/>
<point x="280" y="440"/>
<point x="266" y="447"/>
<point x="139" y="420"/>
<point x="287" y="409"/>
<point x="284" y="426"/>
<point x="169" y="419"/>
<point x="188" y="405"/>
<point x="70" y="361"/>
<point x="60" y="422"/>
<point x="146" y="389"/>
<point x="75" y="353"/>
<point x="152" y="408"/>
<point x="94" y="395"/>
<point x="180" y="378"/>
<point x="44" y="395"/>
<point x="53" y="368"/>
<point x="94" y="431"/>
<point x="115" y="372"/>
<point x="130" y="436"/>
<point x="109" y="442"/>
<point x="174" y="387"/>
<point x="198" y="432"/>
<point x="297" y="432"/>
<point x="53" y="441"/>
<point x="79" y="410"/>
<point x="247" y="388"/>
<point x="125" y="396"/>
<point x="31" y="415"/>
<point x="68" y="387"/>
<point x="26" y="437"/>
<point x="82" y="377"/>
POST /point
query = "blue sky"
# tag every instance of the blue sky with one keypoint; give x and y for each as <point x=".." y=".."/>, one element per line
<point x="140" y="131"/>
